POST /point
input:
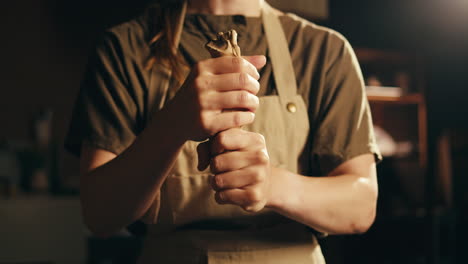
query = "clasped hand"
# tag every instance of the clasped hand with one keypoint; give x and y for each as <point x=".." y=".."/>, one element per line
<point x="241" y="168"/>
<point x="218" y="94"/>
<point x="218" y="97"/>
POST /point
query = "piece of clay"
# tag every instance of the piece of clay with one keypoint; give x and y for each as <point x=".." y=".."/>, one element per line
<point x="225" y="44"/>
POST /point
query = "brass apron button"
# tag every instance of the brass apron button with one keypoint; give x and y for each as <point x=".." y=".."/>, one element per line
<point x="291" y="107"/>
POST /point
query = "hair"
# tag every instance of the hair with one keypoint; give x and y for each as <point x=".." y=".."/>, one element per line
<point x="165" y="25"/>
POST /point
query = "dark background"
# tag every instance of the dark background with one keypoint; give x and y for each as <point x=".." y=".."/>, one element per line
<point x="434" y="29"/>
<point x="44" y="46"/>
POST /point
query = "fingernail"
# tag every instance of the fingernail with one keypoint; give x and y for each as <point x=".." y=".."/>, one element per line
<point x="218" y="182"/>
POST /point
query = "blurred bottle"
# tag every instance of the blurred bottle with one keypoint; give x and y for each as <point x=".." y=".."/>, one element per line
<point x="42" y="133"/>
<point x="9" y="170"/>
<point x="39" y="161"/>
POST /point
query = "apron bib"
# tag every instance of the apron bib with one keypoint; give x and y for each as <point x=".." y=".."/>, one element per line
<point x="183" y="220"/>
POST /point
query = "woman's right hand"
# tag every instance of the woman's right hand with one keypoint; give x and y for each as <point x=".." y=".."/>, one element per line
<point x="218" y="94"/>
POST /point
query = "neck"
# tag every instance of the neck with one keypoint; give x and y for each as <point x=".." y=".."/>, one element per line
<point x="226" y="7"/>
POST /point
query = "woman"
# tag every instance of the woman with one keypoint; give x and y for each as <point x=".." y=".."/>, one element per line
<point x="276" y="124"/>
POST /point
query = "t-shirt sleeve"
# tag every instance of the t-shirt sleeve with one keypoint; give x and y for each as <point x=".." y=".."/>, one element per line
<point x="344" y="127"/>
<point x="105" y="112"/>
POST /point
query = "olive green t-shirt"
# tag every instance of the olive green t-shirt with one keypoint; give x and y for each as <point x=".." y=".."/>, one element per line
<point x="113" y="107"/>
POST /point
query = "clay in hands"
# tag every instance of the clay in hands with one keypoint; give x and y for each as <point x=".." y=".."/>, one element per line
<point x="224" y="45"/>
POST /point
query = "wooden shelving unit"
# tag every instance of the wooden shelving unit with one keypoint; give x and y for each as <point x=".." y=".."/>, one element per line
<point x="403" y="117"/>
<point x="405" y="224"/>
<point x="415" y="218"/>
<point x="380" y="104"/>
<point x="415" y="98"/>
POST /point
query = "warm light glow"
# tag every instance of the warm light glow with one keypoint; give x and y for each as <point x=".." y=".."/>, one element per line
<point x="307" y="8"/>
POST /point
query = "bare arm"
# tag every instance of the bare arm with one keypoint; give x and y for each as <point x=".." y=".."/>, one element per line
<point x="117" y="190"/>
<point x="343" y="202"/>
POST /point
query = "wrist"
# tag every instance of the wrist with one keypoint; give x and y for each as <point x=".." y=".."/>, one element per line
<point x="278" y="196"/>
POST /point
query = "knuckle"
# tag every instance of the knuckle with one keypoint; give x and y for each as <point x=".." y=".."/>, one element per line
<point x="199" y="101"/>
<point x="218" y="181"/>
<point x="243" y="97"/>
<point x="243" y="79"/>
<point x="262" y="157"/>
<point x="221" y="139"/>
<point x="254" y="208"/>
<point x="256" y="103"/>
<point x="237" y="120"/>
<point x="203" y="121"/>
<point x="256" y="86"/>
<point x="213" y="182"/>
<point x="216" y="165"/>
<point x="205" y="125"/>
<point x="201" y="82"/>
<point x="220" y="197"/>
<point x="236" y="64"/>
<point x="254" y="196"/>
<point x="251" y="209"/>
<point x="258" y="177"/>
<point x="260" y="139"/>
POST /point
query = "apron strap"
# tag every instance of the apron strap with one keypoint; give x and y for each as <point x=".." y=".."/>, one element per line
<point x="278" y="49"/>
<point x="283" y="71"/>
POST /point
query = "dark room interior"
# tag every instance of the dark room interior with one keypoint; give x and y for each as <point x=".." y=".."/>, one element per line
<point x="417" y="47"/>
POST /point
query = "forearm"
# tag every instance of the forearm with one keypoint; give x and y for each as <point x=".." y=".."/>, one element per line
<point x="121" y="191"/>
<point x="338" y="204"/>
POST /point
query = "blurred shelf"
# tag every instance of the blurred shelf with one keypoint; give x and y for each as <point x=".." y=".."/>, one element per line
<point x="415" y="98"/>
<point x="372" y="55"/>
<point x="42" y="229"/>
<point x="400" y="116"/>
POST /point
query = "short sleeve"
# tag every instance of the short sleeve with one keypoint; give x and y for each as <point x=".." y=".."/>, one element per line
<point x="105" y="112"/>
<point x="344" y="127"/>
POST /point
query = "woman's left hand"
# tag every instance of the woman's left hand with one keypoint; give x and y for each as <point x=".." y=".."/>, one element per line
<point x="241" y="168"/>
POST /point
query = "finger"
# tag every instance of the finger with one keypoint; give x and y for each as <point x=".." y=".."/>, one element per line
<point x="235" y="139"/>
<point x="231" y="82"/>
<point x="238" y="179"/>
<point x="227" y="120"/>
<point x="228" y="64"/>
<point x="231" y="101"/>
<point x="236" y="160"/>
<point x="258" y="61"/>
<point x="250" y="199"/>
<point x="229" y="161"/>
<point x="231" y="196"/>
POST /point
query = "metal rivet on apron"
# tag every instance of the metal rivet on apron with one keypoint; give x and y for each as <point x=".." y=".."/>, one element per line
<point x="291" y="107"/>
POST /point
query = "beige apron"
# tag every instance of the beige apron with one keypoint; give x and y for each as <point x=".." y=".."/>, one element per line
<point x="190" y="227"/>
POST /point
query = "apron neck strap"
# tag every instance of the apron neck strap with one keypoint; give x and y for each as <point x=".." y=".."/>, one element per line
<point x="279" y="54"/>
<point x="283" y="71"/>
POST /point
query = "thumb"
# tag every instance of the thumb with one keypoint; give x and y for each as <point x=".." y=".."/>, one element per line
<point x="257" y="60"/>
